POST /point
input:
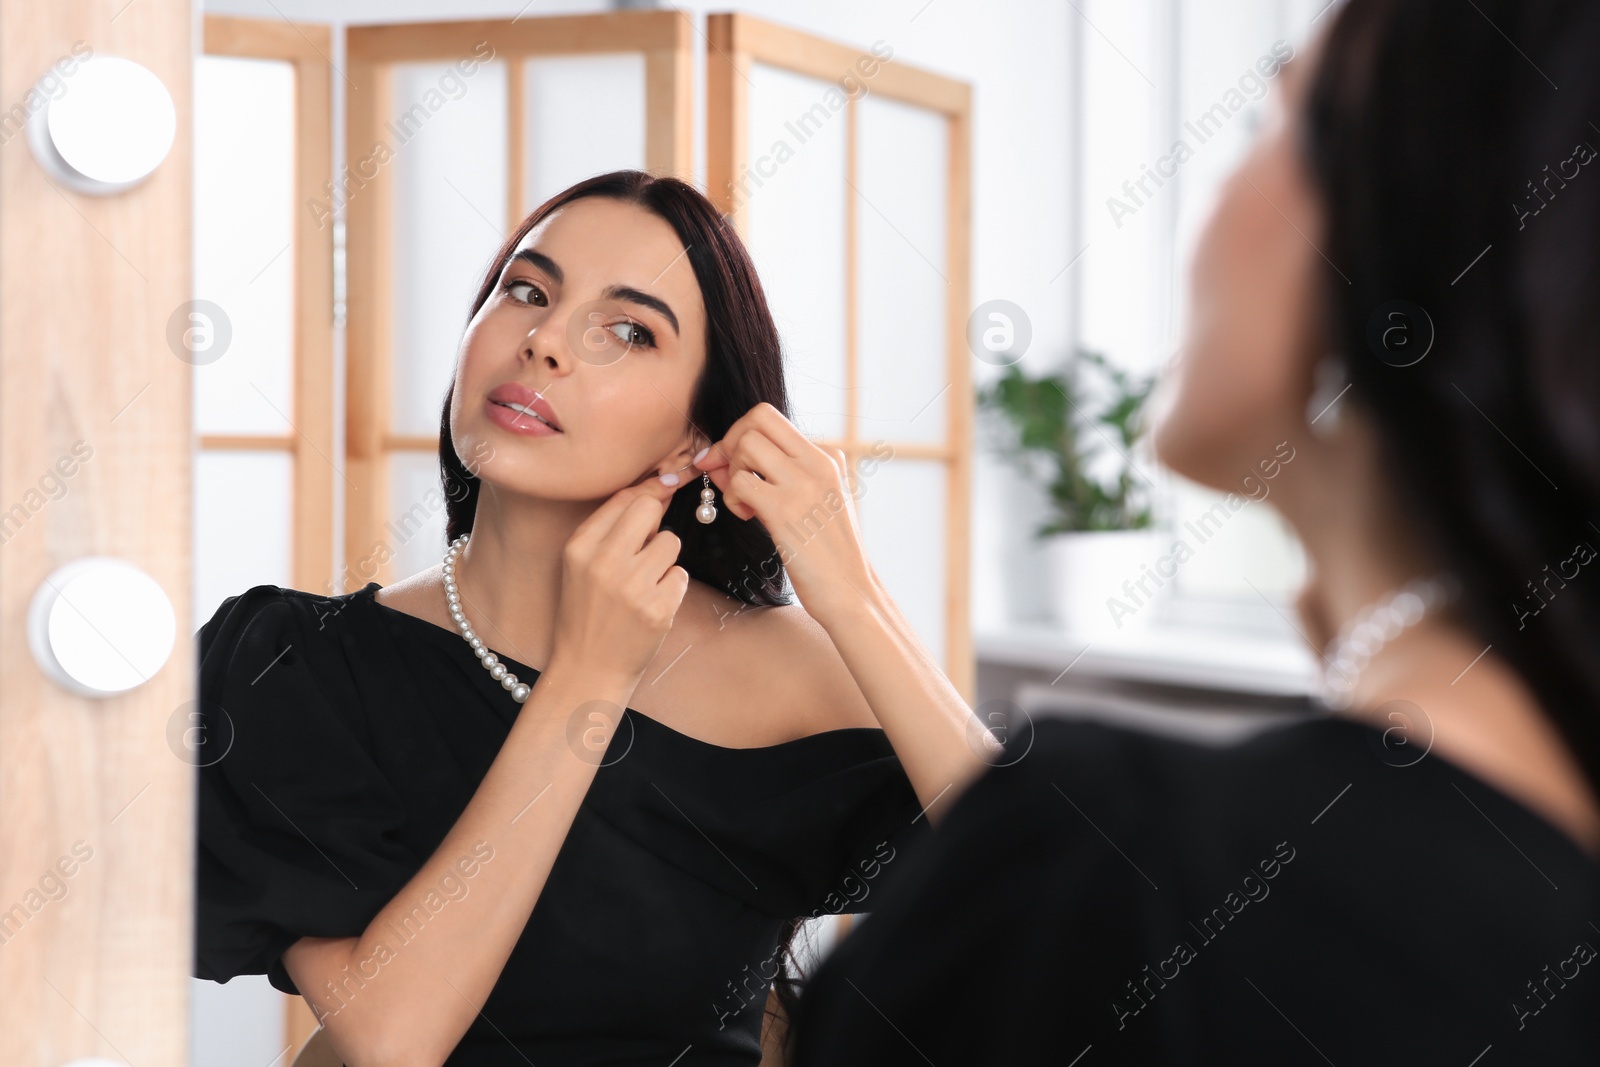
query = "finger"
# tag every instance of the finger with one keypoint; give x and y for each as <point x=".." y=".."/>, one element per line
<point x="660" y="554"/>
<point x="771" y="422"/>
<point x="674" y="583"/>
<point x="716" y="457"/>
<point x="779" y="430"/>
<point x="638" y="523"/>
<point x="599" y="525"/>
<point x="748" y="495"/>
<point x="756" y="452"/>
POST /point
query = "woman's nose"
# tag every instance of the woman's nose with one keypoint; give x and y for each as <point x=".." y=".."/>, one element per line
<point x="545" y="342"/>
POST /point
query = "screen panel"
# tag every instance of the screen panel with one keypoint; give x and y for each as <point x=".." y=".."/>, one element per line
<point x="243" y="503"/>
<point x="449" y="174"/>
<point x="903" y="168"/>
<point x="583" y="115"/>
<point x="901" y="504"/>
<point x="793" y="193"/>
<point x="414" y="530"/>
<point x="904" y="382"/>
<point x="244" y="201"/>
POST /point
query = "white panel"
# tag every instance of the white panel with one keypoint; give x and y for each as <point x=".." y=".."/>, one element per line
<point x="1125" y="227"/>
<point x="448" y="139"/>
<point x="903" y="178"/>
<point x="243" y="515"/>
<point x="237" y="1023"/>
<point x="413" y="529"/>
<point x="585" y="115"/>
<point x="902" y="510"/>
<point x="1231" y="548"/>
<point x="793" y="192"/>
<point x="243" y="218"/>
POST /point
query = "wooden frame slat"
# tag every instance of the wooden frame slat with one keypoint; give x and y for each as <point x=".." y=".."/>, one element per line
<point x="307" y="48"/>
<point x="369" y="281"/>
<point x="245" y="442"/>
<point x="551" y="35"/>
<point x="516" y="140"/>
<point x="735" y="43"/>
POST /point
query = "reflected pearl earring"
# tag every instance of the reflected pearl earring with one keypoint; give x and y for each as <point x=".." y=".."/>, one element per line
<point x="707" y="510"/>
<point x="1322" y="412"/>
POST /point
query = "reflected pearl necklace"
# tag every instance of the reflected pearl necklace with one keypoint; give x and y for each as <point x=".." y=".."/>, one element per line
<point x="1373" y="627"/>
<point x="519" y="690"/>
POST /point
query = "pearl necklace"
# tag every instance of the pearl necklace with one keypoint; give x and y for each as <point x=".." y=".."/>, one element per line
<point x="1373" y="627"/>
<point x="519" y="690"/>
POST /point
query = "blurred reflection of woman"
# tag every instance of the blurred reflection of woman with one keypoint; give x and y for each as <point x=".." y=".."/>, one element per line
<point x="458" y="857"/>
<point x="1413" y="878"/>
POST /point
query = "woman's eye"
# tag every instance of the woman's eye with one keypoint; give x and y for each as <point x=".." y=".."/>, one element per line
<point x="634" y="335"/>
<point x="523" y="291"/>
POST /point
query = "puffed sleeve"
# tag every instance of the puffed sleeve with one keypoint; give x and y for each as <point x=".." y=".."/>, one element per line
<point x="296" y="823"/>
<point x="880" y="822"/>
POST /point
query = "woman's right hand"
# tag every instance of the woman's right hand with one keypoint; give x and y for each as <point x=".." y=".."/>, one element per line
<point x="620" y="585"/>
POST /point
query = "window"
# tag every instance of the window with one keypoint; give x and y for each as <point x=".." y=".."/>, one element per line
<point x="1157" y="75"/>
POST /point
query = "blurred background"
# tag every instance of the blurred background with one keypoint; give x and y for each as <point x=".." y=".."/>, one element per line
<point x="972" y="220"/>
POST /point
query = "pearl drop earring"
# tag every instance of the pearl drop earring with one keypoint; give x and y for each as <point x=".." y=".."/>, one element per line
<point x="1322" y="416"/>
<point x="707" y="511"/>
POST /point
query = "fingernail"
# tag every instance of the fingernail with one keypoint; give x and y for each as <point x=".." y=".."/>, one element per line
<point x="669" y="478"/>
<point x="698" y="456"/>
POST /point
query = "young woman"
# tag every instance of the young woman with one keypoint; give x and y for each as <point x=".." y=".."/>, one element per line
<point x="1413" y="879"/>
<point x="593" y="843"/>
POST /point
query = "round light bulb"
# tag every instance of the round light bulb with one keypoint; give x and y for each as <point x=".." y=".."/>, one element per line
<point x="106" y="128"/>
<point x="100" y="626"/>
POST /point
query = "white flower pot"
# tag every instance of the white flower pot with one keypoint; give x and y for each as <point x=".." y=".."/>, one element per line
<point x="1095" y="580"/>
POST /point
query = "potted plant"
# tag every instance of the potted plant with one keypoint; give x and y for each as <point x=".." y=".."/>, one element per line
<point x="1076" y="441"/>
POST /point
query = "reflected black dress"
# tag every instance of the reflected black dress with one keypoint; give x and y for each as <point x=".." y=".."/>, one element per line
<point x="1324" y="893"/>
<point x="342" y="738"/>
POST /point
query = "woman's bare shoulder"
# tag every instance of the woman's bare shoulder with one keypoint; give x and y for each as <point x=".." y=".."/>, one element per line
<point x="785" y="655"/>
<point x="420" y="594"/>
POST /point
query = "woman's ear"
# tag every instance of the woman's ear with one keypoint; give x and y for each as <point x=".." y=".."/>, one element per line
<point x="676" y="462"/>
<point x="694" y="444"/>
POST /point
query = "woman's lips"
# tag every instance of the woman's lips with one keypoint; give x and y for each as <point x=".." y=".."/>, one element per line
<point x="517" y="421"/>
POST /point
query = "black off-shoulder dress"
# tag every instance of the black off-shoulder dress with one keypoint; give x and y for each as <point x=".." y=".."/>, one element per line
<point x="341" y="740"/>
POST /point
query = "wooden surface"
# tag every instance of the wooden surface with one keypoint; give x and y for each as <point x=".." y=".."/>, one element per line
<point x="95" y="962"/>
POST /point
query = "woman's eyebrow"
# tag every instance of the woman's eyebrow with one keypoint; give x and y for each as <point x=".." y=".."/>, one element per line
<point x="614" y="292"/>
<point x="637" y="296"/>
<point x="540" y="260"/>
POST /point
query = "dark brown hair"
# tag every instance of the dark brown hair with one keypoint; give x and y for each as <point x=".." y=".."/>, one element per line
<point x="1448" y="164"/>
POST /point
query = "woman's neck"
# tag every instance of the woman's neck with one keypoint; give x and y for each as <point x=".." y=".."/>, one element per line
<point x="509" y="573"/>
<point x="1452" y="696"/>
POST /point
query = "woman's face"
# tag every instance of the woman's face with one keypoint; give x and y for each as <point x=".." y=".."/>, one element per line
<point x="1241" y="379"/>
<point x="600" y="315"/>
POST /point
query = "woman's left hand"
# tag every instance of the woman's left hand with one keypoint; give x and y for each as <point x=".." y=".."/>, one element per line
<point x="802" y="498"/>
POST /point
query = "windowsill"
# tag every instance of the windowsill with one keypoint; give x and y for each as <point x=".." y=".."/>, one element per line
<point x="1172" y="654"/>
